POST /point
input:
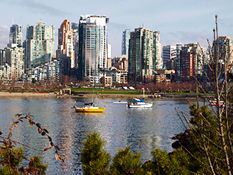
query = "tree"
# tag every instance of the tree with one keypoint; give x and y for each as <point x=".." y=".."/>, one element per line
<point x="94" y="158"/>
<point x="211" y="133"/>
<point x="126" y="162"/>
<point x="164" y="163"/>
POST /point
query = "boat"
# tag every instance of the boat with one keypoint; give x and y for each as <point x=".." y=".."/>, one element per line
<point x="140" y="103"/>
<point x="89" y="108"/>
<point x="138" y="100"/>
<point x="214" y="103"/>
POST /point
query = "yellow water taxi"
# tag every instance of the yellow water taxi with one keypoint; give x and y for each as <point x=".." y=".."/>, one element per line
<point x="89" y="108"/>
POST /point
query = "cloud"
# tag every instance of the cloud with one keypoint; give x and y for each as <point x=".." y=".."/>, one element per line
<point x="4" y="28"/>
<point x="41" y="8"/>
<point x="227" y="22"/>
<point x="189" y="37"/>
<point x="4" y="35"/>
<point x="117" y="26"/>
<point x="3" y="40"/>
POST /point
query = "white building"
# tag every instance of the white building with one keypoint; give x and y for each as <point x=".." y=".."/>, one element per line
<point x="5" y="72"/>
<point x="118" y="76"/>
<point x="45" y="72"/>
<point x="13" y="57"/>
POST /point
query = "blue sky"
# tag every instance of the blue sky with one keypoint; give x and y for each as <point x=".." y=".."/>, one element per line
<point x="178" y="21"/>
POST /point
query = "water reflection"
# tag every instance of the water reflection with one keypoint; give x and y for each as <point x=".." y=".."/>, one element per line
<point x="142" y="129"/>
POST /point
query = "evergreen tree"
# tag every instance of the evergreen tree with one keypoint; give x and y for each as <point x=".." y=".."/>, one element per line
<point x="94" y="158"/>
<point x="126" y="162"/>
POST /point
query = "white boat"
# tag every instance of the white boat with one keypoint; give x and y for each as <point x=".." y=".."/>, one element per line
<point x="140" y="105"/>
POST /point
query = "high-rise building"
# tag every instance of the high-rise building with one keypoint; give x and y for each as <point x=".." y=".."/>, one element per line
<point x="177" y="67"/>
<point x="65" y="42"/>
<point x="2" y="56"/>
<point x="39" y="45"/>
<point x="75" y="42"/>
<point x="144" y="55"/>
<point x="192" y="57"/>
<point x="16" y="35"/>
<point x="225" y="47"/>
<point x="125" y="42"/>
<point x="13" y="57"/>
<point x="169" y="52"/>
<point x="92" y="47"/>
<point x="186" y="66"/>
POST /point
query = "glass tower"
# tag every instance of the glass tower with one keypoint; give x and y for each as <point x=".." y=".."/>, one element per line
<point x="92" y="47"/>
<point x="16" y="35"/>
<point x="169" y="52"/>
<point x="125" y="42"/>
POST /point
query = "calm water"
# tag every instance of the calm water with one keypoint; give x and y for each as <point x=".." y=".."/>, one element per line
<point x="142" y="129"/>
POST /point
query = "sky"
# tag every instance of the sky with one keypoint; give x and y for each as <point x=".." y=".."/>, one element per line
<point x="178" y="21"/>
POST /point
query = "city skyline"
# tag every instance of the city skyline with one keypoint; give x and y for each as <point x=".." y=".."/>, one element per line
<point x="178" y="21"/>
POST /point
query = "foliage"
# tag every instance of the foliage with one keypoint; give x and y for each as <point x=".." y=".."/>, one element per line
<point x="204" y="142"/>
<point x="164" y="163"/>
<point x="96" y="161"/>
<point x="126" y="162"/>
<point x="11" y="157"/>
<point x="94" y="158"/>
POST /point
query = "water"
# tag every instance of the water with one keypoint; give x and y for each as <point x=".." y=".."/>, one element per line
<point x="142" y="129"/>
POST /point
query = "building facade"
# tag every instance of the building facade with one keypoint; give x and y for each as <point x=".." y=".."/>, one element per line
<point x="177" y="61"/>
<point x="186" y="67"/>
<point x="144" y="54"/>
<point x="169" y="52"/>
<point x="75" y="27"/>
<point x="12" y="56"/>
<point x="39" y="44"/>
<point x="192" y="58"/>
<point x="120" y="63"/>
<point x="16" y="35"/>
<point x="125" y="42"/>
<point x="65" y="42"/>
<point x="223" y="46"/>
<point x="92" y="47"/>
<point x="49" y="71"/>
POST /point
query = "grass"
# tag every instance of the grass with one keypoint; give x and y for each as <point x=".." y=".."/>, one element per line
<point x="105" y="91"/>
<point x="91" y="90"/>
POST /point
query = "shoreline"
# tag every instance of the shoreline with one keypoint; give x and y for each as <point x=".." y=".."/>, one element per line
<point x="52" y="95"/>
<point x="25" y="94"/>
